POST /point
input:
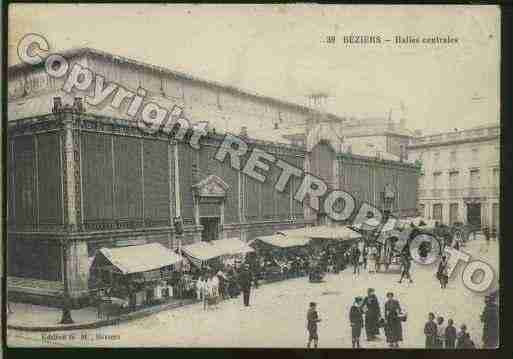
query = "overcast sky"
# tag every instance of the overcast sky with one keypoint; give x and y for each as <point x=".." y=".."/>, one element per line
<point x="279" y="51"/>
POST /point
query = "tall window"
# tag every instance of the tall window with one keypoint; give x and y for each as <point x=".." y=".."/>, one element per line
<point x="437" y="212"/>
<point x="436" y="180"/>
<point x="436" y="157"/>
<point x="454" y="156"/>
<point x="475" y="154"/>
<point x="453" y="183"/>
<point x="453" y="180"/>
<point x="422" y="210"/>
<point x="495" y="177"/>
<point x="474" y="178"/>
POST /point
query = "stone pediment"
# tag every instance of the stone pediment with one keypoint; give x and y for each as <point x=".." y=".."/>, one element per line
<point x="211" y="187"/>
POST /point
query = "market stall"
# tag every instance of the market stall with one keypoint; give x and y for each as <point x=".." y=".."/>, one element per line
<point x="329" y="247"/>
<point x="220" y="252"/>
<point x="138" y="275"/>
<point x="281" y="256"/>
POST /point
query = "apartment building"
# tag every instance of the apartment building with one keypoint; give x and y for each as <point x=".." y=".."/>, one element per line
<point x="460" y="177"/>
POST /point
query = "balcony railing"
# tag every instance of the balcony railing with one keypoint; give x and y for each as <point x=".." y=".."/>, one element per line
<point x="459" y="192"/>
<point x="437" y="192"/>
<point x="460" y="135"/>
<point x="454" y="192"/>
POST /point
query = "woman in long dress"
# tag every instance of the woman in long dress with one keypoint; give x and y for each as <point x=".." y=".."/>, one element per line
<point x="372" y="314"/>
<point x="393" y="327"/>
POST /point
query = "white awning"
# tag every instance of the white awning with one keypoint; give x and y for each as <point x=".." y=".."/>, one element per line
<point x="284" y="241"/>
<point x="141" y="258"/>
<point x="324" y="232"/>
<point x="204" y="251"/>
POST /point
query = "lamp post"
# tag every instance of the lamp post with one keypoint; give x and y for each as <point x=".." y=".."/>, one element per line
<point x="66" y="312"/>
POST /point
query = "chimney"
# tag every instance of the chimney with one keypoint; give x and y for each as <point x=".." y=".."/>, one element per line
<point x="417" y="133"/>
<point x="57" y="104"/>
<point x="243" y="131"/>
<point x="276" y="125"/>
<point x="402" y="123"/>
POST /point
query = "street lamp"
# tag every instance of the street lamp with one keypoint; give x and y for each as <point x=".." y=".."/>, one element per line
<point x="66" y="312"/>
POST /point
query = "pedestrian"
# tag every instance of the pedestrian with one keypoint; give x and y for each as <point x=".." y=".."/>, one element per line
<point x="356" y="320"/>
<point x="364" y="256"/>
<point x="430" y="331"/>
<point x="312" y="318"/>
<point x="463" y="340"/>
<point x="457" y="241"/>
<point x="373" y="260"/>
<point x="202" y="290"/>
<point x="440" y="333"/>
<point x="450" y="335"/>
<point x="209" y="292"/>
<point x="443" y="272"/>
<point x="393" y="326"/>
<point x="490" y="320"/>
<point x="222" y="284"/>
<point x="355" y="259"/>
<point x="405" y="266"/>
<point x="486" y="232"/>
<point x="215" y="289"/>
<point x="245" y="284"/>
<point x="372" y="314"/>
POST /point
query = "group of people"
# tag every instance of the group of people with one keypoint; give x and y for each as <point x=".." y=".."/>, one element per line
<point x="438" y="335"/>
<point x="369" y="307"/>
<point x="215" y="285"/>
<point x="365" y="312"/>
<point x="366" y="259"/>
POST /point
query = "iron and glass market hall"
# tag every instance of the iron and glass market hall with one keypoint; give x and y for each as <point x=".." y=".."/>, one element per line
<point x="81" y="178"/>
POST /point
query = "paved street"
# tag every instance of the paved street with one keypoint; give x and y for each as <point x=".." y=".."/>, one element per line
<point x="277" y="316"/>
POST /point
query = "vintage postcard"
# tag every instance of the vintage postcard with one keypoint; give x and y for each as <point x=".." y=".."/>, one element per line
<point x="253" y="176"/>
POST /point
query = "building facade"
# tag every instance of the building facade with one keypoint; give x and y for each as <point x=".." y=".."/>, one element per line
<point x="82" y="178"/>
<point x="372" y="137"/>
<point x="460" y="180"/>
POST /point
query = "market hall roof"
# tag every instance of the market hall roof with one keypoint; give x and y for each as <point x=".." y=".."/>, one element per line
<point x="140" y="258"/>
<point x="204" y="251"/>
<point x="284" y="241"/>
<point x="87" y="51"/>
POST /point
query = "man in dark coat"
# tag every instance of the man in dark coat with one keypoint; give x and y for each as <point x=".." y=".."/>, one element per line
<point x="430" y="330"/>
<point x="490" y="319"/>
<point x="405" y="266"/>
<point x="442" y="272"/>
<point x="355" y="257"/>
<point x="372" y="314"/>
<point x="356" y="320"/>
<point x="486" y="232"/>
<point x="245" y="280"/>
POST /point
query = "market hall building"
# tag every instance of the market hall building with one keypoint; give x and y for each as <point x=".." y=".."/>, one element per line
<point x="81" y="178"/>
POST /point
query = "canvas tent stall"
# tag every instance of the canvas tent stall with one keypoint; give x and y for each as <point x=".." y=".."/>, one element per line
<point x="281" y="256"/>
<point x="201" y="253"/>
<point x="282" y="241"/>
<point x="138" y="274"/>
<point x="320" y="233"/>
